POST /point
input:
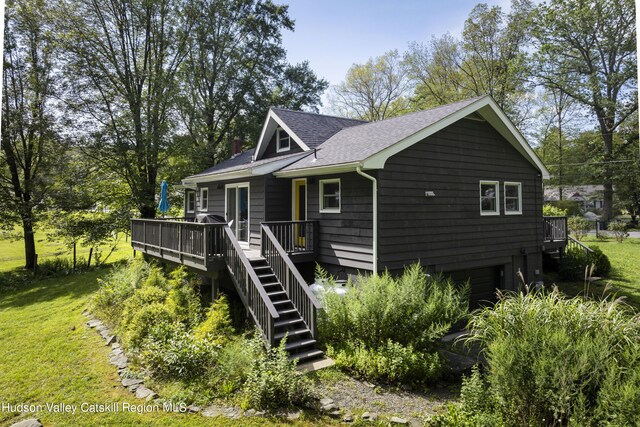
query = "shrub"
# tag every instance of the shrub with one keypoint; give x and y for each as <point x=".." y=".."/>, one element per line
<point x="578" y="226"/>
<point x="619" y="230"/>
<point x="551" y="210"/>
<point x="575" y="261"/>
<point x="390" y="363"/>
<point x="571" y="207"/>
<point x="273" y="381"/>
<point x="170" y="351"/>
<point x="230" y="372"/>
<point x="217" y="324"/>
<point x="410" y="310"/>
<point x="116" y="288"/>
<point x="555" y="361"/>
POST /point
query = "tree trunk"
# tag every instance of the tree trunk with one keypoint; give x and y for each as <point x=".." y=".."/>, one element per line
<point x="29" y="243"/>
<point x="74" y="255"/>
<point x="607" y="173"/>
<point x="89" y="260"/>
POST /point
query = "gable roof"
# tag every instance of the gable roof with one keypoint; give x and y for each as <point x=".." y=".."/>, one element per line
<point x="308" y="130"/>
<point x="369" y="145"/>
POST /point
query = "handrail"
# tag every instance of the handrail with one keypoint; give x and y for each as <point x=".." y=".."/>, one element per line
<point x="555" y="228"/>
<point x="574" y="243"/>
<point x="295" y="237"/>
<point x="248" y="285"/>
<point x="296" y="287"/>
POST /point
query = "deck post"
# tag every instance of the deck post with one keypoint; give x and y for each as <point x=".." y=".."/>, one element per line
<point x="160" y="238"/>
<point x="204" y="248"/>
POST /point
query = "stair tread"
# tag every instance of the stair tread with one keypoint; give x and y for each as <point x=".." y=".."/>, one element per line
<point x="306" y="354"/>
<point x="298" y="344"/>
<point x="276" y="293"/>
<point x="288" y="311"/>
<point x="280" y="335"/>
<point x="288" y="322"/>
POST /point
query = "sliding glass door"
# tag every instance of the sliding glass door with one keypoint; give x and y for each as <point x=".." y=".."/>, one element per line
<point x="237" y="209"/>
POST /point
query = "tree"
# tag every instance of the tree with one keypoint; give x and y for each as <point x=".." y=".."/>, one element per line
<point x="627" y="173"/>
<point x="490" y="59"/>
<point x="374" y="90"/>
<point x="588" y="51"/>
<point x="122" y="60"/>
<point x="29" y="138"/>
<point x="236" y="68"/>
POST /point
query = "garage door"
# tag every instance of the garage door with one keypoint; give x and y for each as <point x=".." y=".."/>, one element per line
<point x="483" y="282"/>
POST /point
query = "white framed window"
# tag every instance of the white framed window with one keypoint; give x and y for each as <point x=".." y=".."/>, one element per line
<point x="204" y="199"/>
<point x="489" y="198"/>
<point x="283" y="141"/>
<point x="330" y="195"/>
<point x="191" y="201"/>
<point x="512" y="198"/>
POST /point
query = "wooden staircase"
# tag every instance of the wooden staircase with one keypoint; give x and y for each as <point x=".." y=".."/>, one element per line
<point x="300" y="342"/>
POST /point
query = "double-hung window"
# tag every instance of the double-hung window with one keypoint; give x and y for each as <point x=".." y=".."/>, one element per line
<point x="489" y="198"/>
<point x="204" y="199"/>
<point x="512" y="198"/>
<point x="330" y="196"/>
<point x="283" y="141"/>
<point x="191" y="201"/>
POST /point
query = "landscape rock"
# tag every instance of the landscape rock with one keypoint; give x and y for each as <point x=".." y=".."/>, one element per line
<point x="212" y="411"/>
<point x="398" y="420"/>
<point x="110" y="340"/>
<point x="73" y="328"/>
<point x="194" y="409"/>
<point x="105" y="333"/>
<point x="326" y="401"/>
<point x="370" y="416"/>
<point x="32" y="422"/>
<point x="348" y="418"/>
<point x="120" y="361"/>
<point x="143" y="393"/>
<point x="335" y="413"/>
<point x="115" y="346"/>
<point x="128" y="382"/>
<point x="249" y="412"/>
<point x="133" y="388"/>
<point x="116" y="352"/>
<point x="261" y="413"/>
<point x="94" y="323"/>
<point x="330" y="407"/>
<point x="233" y="413"/>
<point x="294" y="415"/>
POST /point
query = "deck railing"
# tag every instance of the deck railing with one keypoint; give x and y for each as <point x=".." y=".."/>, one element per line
<point x="575" y="244"/>
<point x="177" y="239"/>
<point x="284" y="269"/>
<point x="248" y="285"/>
<point x="555" y="229"/>
<point x="295" y="237"/>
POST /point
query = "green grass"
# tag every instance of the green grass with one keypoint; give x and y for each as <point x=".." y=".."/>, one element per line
<point x="49" y="355"/>
<point x="624" y="279"/>
<point x="12" y="251"/>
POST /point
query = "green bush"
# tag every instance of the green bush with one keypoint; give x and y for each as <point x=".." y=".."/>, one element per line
<point x="551" y="210"/>
<point x="390" y="363"/>
<point x="571" y="207"/>
<point x="578" y="226"/>
<point x="619" y="230"/>
<point x="557" y="361"/>
<point x="217" y="324"/>
<point x="411" y="310"/>
<point x="273" y="381"/>
<point x="170" y="351"/>
<point x="116" y="288"/>
<point x="575" y="262"/>
<point x="230" y="372"/>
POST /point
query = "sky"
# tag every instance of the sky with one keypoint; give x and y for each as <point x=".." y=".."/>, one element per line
<point x="334" y="34"/>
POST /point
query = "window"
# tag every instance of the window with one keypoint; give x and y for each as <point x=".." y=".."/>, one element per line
<point x="489" y="196"/>
<point x="204" y="199"/>
<point x="330" y="195"/>
<point x="512" y="198"/>
<point x="283" y="141"/>
<point x="191" y="201"/>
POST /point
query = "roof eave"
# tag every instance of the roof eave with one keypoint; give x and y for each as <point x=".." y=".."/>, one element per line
<point x="318" y="170"/>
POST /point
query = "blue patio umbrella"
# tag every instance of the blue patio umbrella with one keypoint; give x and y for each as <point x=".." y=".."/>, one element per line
<point x="164" y="199"/>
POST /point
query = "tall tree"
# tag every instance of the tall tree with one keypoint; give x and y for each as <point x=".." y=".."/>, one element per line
<point x="236" y="68"/>
<point x="374" y="90"/>
<point x="588" y="50"/>
<point x="29" y="139"/>
<point x="123" y="59"/>
<point x="490" y="58"/>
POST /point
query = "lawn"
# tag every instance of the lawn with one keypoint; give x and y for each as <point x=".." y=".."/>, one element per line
<point x="49" y="355"/>
<point x="12" y="251"/>
<point x="624" y="279"/>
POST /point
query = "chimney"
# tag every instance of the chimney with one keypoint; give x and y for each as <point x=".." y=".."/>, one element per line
<point x="236" y="146"/>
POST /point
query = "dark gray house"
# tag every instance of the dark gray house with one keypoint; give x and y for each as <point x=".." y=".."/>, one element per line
<point x="456" y="188"/>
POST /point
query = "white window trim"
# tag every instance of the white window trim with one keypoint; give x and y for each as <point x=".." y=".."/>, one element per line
<point x="321" y="191"/>
<point x="496" y="185"/>
<point x="190" y="194"/>
<point x="237" y="185"/>
<point x="519" y="211"/>
<point x="278" y="148"/>
<point x="204" y="201"/>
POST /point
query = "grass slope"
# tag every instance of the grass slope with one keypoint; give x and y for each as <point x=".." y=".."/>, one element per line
<point x="625" y="274"/>
<point x="49" y="355"/>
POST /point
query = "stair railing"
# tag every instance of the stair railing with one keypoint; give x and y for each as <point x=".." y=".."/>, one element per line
<point x="248" y="285"/>
<point x="573" y="243"/>
<point x="286" y="272"/>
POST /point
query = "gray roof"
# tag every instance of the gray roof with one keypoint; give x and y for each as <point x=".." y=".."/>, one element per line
<point x="357" y="143"/>
<point x="314" y="129"/>
<point x="242" y="161"/>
